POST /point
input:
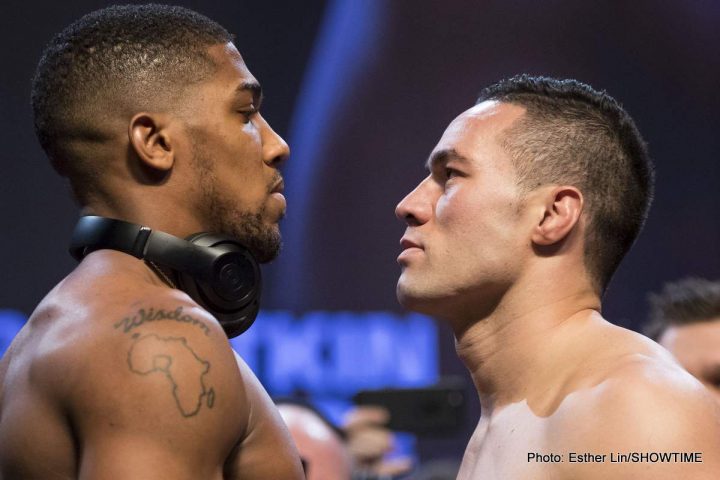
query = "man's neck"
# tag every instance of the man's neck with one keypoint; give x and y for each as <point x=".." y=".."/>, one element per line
<point x="520" y="350"/>
<point x="155" y="215"/>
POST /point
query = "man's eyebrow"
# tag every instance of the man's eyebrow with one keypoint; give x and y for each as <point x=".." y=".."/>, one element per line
<point x="444" y="156"/>
<point x="252" y="87"/>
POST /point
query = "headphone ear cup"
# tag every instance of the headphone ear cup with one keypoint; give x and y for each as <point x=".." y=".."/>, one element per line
<point x="230" y="288"/>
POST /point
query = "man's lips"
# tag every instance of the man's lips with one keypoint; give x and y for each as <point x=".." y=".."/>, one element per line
<point x="406" y="243"/>
<point x="279" y="186"/>
<point x="276" y="193"/>
<point x="409" y="248"/>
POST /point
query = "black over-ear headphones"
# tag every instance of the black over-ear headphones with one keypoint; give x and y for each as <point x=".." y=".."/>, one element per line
<point x="218" y="273"/>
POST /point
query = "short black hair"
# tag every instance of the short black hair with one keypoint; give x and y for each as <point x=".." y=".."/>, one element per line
<point x="573" y="134"/>
<point x="686" y="301"/>
<point x="120" y="57"/>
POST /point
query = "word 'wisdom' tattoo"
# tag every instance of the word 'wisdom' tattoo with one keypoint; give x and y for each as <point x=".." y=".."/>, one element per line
<point x="151" y="315"/>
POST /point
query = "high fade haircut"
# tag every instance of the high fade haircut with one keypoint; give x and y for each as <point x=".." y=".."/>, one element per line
<point x="117" y="60"/>
<point x="572" y="134"/>
<point x="686" y="301"/>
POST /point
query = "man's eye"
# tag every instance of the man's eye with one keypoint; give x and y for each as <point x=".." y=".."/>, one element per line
<point x="450" y="173"/>
<point x="247" y="114"/>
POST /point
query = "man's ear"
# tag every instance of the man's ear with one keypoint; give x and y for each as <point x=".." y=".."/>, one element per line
<point x="563" y="207"/>
<point x="150" y="139"/>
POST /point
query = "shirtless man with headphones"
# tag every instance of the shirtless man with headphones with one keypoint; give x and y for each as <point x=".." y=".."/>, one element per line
<point x="124" y="370"/>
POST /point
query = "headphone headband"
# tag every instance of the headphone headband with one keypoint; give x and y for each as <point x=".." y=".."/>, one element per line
<point x="216" y="271"/>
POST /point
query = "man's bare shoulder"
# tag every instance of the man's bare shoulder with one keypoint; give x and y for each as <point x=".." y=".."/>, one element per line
<point x="646" y="388"/>
<point x="136" y="370"/>
<point x="644" y="382"/>
<point x="643" y="403"/>
<point x="141" y="371"/>
<point x="115" y="327"/>
<point x="99" y="306"/>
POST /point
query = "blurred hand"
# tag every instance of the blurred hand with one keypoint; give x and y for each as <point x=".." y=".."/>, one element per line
<point x="369" y="441"/>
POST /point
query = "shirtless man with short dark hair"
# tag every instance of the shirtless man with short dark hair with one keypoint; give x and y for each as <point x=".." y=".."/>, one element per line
<point x="534" y="196"/>
<point x="152" y="115"/>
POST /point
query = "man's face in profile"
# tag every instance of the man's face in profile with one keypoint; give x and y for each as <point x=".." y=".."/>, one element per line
<point x="463" y="238"/>
<point x="235" y="156"/>
<point x="697" y="347"/>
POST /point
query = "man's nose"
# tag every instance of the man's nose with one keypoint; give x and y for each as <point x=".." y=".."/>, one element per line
<point x="275" y="149"/>
<point x="416" y="208"/>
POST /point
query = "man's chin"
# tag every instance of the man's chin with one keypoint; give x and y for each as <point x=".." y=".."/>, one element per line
<point x="267" y="251"/>
<point x="424" y="299"/>
<point x="410" y="299"/>
<point x="264" y="243"/>
<point x="269" y="257"/>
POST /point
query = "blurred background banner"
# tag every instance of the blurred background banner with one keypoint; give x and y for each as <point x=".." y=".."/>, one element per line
<point x="335" y="354"/>
<point x="362" y="90"/>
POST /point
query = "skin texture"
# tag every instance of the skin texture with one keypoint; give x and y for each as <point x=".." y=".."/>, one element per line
<point x="506" y="271"/>
<point x="118" y="376"/>
<point x="695" y="346"/>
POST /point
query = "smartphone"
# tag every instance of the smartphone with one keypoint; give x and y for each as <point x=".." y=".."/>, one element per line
<point x="439" y="409"/>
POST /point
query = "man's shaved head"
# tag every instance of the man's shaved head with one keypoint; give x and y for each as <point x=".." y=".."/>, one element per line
<point x="109" y="65"/>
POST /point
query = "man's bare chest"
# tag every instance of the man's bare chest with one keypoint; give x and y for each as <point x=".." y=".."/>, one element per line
<point x="516" y="444"/>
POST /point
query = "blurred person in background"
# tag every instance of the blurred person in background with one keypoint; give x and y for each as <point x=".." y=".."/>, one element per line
<point x="356" y="451"/>
<point x="685" y="319"/>
<point x="321" y="445"/>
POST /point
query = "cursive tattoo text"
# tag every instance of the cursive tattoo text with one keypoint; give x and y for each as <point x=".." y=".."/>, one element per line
<point x="144" y="316"/>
